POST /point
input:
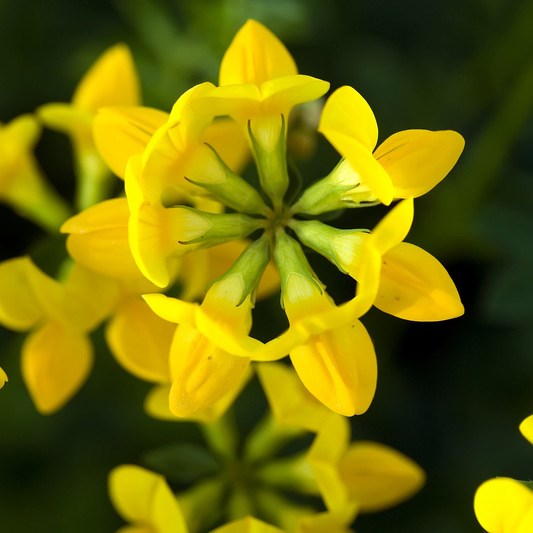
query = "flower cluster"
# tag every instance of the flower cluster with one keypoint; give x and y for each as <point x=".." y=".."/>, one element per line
<point x="176" y="265"/>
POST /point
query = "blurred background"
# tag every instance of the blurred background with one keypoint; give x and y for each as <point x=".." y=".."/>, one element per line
<point x="450" y="395"/>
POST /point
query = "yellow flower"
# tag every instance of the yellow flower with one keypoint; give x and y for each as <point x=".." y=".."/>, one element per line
<point x="111" y="81"/>
<point x="144" y="499"/>
<point x="505" y="505"/>
<point x="22" y="183"/>
<point x="178" y="153"/>
<point x="57" y="355"/>
<point x="407" y="164"/>
<point x="259" y="85"/>
<point x="413" y="285"/>
<point x="210" y="351"/>
<point x="367" y="474"/>
<point x="329" y="347"/>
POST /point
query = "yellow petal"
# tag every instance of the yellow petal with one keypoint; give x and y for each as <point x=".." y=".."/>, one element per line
<point x="3" y="378"/>
<point x="254" y="56"/>
<point x="247" y="525"/>
<point x="144" y="497"/>
<point x="227" y="138"/>
<point x="339" y="368"/>
<point x="157" y="403"/>
<point x="290" y="402"/>
<point x="324" y="455"/>
<point x="225" y="318"/>
<point x="68" y="119"/>
<point x="120" y="132"/>
<point x="90" y="297"/>
<point x="347" y="112"/>
<point x="394" y="226"/>
<point x="417" y="160"/>
<point x="286" y="92"/>
<point x="56" y="361"/>
<point x="371" y="174"/>
<point x="21" y="133"/>
<point x="526" y="428"/>
<point x="167" y="154"/>
<point x="140" y="340"/>
<point x="202" y="373"/>
<point x="378" y="477"/>
<point x="19" y="305"/>
<point x="155" y="233"/>
<point x="415" y="286"/>
<point x="98" y="239"/>
<point x="111" y="80"/>
<point x="502" y="505"/>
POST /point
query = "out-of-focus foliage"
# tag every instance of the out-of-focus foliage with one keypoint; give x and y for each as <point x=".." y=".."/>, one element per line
<point x="450" y="395"/>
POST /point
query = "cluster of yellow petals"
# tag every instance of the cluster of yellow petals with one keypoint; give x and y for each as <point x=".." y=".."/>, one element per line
<point x="154" y="238"/>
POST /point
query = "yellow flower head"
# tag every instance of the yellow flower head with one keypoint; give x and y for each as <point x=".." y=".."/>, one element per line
<point x="111" y="81"/>
<point x="406" y="165"/>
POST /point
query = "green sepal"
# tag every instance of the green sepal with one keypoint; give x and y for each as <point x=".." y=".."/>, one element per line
<point x="268" y="438"/>
<point x="202" y="504"/>
<point x="183" y="463"/>
<point x="291" y="473"/>
<point x="233" y="191"/>
<point x="330" y="193"/>
<point x="321" y="237"/>
<point x="290" y="258"/>
<point x="223" y="227"/>
<point x="272" y="166"/>
<point x="250" y="266"/>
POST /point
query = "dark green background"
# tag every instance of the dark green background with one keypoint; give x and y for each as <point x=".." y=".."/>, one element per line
<point x="450" y="395"/>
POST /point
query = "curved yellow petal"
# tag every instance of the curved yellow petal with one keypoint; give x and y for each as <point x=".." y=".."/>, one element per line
<point x="98" y="239"/>
<point x="19" y="134"/>
<point x="111" y="80"/>
<point x="172" y="146"/>
<point x="378" y="477"/>
<point x="120" y="132"/>
<point x="144" y="498"/>
<point x="339" y="368"/>
<point x="227" y="138"/>
<point x="155" y="233"/>
<point x="19" y="304"/>
<point x="290" y="402"/>
<point x="415" y="286"/>
<point x="89" y="297"/>
<point x="324" y="456"/>
<point x="284" y="93"/>
<point x="394" y="226"/>
<point x="156" y="403"/>
<point x="56" y="361"/>
<point x="202" y="373"/>
<point x="348" y="113"/>
<point x="526" y="428"/>
<point x="503" y="505"/>
<point x="140" y="340"/>
<point x="254" y="56"/>
<point x="67" y="119"/>
<point x="3" y="378"/>
<point x="372" y="175"/>
<point x="417" y="160"/>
